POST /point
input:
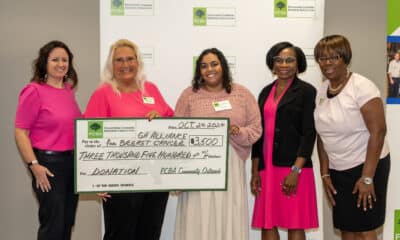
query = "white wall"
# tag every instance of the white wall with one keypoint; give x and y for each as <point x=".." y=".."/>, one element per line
<point x="25" y="26"/>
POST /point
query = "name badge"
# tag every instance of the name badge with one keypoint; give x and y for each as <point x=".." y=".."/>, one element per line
<point x="222" y="105"/>
<point x="148" y="100"/>
<point x="321" y="101"/>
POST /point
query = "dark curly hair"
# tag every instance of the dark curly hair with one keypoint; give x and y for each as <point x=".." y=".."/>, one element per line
<point x="40" y="63"/>
<point x="277" y="48"/>
<point x="198" y="81"/>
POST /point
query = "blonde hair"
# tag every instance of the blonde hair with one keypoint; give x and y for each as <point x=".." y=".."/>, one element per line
<point x="108" y="71"/>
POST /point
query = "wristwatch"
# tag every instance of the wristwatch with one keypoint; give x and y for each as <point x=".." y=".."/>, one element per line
<point x="296" y="169"/>
<point x="367" y="180"/>
<point x="32" y="163"/>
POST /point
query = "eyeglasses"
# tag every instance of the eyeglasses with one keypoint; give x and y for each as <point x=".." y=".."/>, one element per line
<point x="332" y="59"/>
<point x="129" y="60"/>
<point x="281" y="60"/>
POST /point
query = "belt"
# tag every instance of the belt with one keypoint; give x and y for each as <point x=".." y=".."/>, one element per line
<point x="54" y="153"/>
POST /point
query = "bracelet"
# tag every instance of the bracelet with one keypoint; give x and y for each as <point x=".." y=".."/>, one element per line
<point x="325" y="175"/>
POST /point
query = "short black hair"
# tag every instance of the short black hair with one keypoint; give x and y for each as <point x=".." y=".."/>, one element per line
<point x="277" y="48"/>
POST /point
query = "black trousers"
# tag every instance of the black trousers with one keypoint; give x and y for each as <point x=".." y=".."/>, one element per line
<point x="134" y="216"/>
<point x="394" y="88"/>
<point x="57" y="207"/>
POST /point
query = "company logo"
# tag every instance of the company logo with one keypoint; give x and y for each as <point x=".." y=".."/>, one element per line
<point x="280" y="8"/>
<point x="95" y="129"/>
<point x="117" y="7"/>
<point x="216" y="104"/>
<point x="199" y="16"/>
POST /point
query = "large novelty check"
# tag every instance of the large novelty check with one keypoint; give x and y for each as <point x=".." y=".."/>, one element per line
<point x="127" y="155"/>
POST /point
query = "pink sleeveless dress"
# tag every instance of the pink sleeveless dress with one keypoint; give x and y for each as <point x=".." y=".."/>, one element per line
<point x="272" y="207"/>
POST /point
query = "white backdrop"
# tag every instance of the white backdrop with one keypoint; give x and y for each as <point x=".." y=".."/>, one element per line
<point x="242" y="30"/>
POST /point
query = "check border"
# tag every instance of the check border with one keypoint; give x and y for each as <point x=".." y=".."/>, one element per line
<point x="76" y="175"/>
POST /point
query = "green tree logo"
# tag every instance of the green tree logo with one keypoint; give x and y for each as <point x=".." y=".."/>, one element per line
<point x="95" y="126"/>
<point x="117" y="3"/>
<point x="95" y="129"/>
<point x="280" y="8"/>
<point x="280" y="5"/>
<point x="117" y="8"/>
<point x="199" y="16"/>
<point x="200" y="13"/>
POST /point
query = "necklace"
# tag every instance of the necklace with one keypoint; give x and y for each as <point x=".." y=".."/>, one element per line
<point x="339" y="87"/>
<point x="331" y="89"/>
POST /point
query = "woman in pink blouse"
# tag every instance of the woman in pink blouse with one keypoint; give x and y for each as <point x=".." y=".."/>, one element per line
<point x="44" y="132"/>
<point x="126" y="93"/>
<point x="219" y="215"/>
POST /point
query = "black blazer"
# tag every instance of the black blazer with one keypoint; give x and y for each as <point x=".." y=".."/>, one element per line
<point x="294" y="125"/>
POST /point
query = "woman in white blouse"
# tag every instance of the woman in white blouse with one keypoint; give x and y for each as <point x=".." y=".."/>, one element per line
<point x="354" y="155"/>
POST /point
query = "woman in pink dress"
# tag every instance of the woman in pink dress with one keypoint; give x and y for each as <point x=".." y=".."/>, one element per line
<point x="282" y="175"/>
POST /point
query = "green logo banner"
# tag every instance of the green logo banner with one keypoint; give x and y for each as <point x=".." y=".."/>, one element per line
<point x="397" y="224"/>
<point x="280" y="8"/>
<point x="199" y="16"/>
<point x="95" y="129"/>
<point x="117" y="7"/>
<point x="393" y="20"/>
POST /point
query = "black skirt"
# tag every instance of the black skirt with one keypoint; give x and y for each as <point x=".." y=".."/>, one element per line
<point x="346" y="215"/>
